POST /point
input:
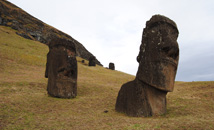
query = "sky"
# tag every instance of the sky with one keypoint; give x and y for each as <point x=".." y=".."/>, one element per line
<point x="112" y="29"/>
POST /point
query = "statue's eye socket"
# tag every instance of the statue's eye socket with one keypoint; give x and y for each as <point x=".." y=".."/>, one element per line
<point x="165" y="49"/>
<point x="172" y="52"/>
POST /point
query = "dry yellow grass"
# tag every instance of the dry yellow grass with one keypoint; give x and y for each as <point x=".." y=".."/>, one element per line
<point x="24" y="103"/>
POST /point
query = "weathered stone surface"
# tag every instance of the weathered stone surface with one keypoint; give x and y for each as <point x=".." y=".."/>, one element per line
<point x="37" y="35"/>
<point x="111" y="66"/>
<point x="158" y="61"/>
<point x="92" y="61"/>
<point x="61" y="69"/>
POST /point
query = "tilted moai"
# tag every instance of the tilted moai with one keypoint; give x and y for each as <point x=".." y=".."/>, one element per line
<point x="111" y="66"/>
<point x="158" y="61"/>
<point x="92" y="61"/>
<point x="61" y="69"/>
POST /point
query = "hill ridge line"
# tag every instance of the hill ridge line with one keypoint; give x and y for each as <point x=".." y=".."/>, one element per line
<point x="32" y="28"/>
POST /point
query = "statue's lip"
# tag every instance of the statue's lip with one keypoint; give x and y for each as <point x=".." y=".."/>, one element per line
<point x="160" y="87"/>
<point x="171" y="61"/>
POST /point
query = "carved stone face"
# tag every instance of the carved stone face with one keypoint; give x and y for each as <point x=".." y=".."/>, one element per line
<point x="159" y="53"/>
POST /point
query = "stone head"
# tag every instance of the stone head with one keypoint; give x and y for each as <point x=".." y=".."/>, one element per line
<point x="61" y="56"/>
<point x="64" y="45"/>
<point x="159" y="53"/>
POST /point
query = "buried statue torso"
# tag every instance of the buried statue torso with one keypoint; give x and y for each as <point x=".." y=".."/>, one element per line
<point x="158" y="61"/>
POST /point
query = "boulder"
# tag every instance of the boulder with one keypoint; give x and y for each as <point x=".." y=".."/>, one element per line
<point x="158" y="61"/>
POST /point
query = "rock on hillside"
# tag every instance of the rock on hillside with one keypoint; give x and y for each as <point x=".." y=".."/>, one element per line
<point x="32" y="28"/>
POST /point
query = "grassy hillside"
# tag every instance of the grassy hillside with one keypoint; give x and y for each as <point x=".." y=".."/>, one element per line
<point x="33" y="28"/>
<point x="24" y="103"/>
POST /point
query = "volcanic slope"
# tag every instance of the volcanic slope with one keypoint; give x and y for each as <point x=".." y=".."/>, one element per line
<point x="24" y="103"/>
<point x="32" y="28"/>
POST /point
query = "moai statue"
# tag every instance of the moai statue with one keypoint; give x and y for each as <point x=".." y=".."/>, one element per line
<point x="111" y="66"/>
<point x="158" y="61"/>
<point x="92" y="60"/>
<point x="61" y="69"/>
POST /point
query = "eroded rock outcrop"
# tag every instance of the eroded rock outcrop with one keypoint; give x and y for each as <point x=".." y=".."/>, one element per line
<point x="158" y="61"/>
<point x="61" y="69"/>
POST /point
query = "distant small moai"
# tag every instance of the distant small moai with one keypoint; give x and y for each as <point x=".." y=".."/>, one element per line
<point x="158" y="62"/>
<point x="111" y="66"/>
<point x="92" y="61"/>
<point x="61" y="69"/>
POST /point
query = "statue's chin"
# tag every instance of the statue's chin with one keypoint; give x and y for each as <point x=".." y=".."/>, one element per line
<point x="162" y="78"/>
